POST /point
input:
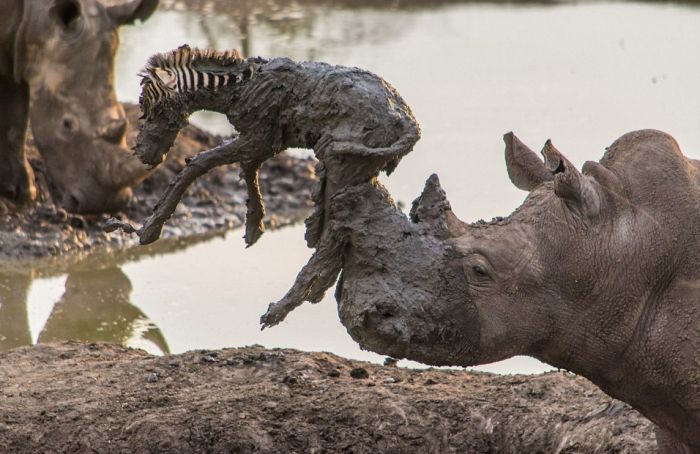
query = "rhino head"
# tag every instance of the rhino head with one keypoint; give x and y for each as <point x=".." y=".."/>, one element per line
<point x="597" y="272"/>
<point x="64" y="52"/>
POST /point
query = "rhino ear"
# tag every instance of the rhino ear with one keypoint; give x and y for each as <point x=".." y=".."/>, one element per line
<point x="580" y="192"/>
<point x="525" y="168"/>
<point x="129" y="12"/>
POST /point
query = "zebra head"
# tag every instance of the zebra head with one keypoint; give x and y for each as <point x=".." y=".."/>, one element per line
<point x="157" y="84"/>
<point x="170" y="81"/>
<point x="163" y="119"/>
<point x="186" y="70"/>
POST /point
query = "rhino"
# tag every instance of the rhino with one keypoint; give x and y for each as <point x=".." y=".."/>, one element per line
<point x="57" y="73"/>
<point x="597" y="272"/>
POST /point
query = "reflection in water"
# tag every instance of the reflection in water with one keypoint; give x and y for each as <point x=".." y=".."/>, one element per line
<point x="293" y="22"/>
<point x="95" y="307"/>
<point x="14" y="324"/>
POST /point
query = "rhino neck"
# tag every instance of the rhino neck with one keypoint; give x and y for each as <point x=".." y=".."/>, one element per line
<point x="649" y="359"/>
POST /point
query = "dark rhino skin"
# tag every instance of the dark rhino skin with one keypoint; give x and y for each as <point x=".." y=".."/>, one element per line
<point x="57" y="73"/>
<point x="597" y="272"/>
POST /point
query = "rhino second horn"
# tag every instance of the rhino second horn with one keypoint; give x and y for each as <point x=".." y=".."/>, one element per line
<point x="580" y="192"/>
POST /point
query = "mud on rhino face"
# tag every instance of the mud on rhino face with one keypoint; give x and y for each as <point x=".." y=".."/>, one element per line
<point x="67" y="59"/>
<point x="451" y="293"/>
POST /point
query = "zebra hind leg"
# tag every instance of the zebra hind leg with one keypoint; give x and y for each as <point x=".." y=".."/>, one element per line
<point x="314" y="223"/>
<point x="254" y="226"/>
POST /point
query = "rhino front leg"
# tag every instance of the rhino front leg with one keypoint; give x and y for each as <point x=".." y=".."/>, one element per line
<point x="16" y="176"/>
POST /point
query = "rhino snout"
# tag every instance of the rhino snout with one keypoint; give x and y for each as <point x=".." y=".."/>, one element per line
<point x="376" y="327"/>
<point x="75" y="201"/>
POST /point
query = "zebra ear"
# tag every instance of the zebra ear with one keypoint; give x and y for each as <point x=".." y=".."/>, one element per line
<point x="167" y="77"/>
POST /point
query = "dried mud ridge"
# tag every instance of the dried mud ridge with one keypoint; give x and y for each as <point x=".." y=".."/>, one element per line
<point x="215" y="203"/>
<point x="75" y="397"/>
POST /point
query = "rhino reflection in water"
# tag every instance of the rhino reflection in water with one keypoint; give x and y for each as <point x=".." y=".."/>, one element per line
<point x="95" y="307"/>
<point x="57" y="70"/>
<point x="14" y="322"/>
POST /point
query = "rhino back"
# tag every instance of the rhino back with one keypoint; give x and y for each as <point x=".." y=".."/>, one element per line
<point x="655" y="173"/>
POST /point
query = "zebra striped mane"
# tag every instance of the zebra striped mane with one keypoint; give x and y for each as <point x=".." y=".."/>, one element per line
<point x="187" y="69"/>
<point x="186" y="55"/>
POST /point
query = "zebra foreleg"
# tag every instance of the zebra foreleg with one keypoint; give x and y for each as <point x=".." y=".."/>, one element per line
<point x="227" y="153"/>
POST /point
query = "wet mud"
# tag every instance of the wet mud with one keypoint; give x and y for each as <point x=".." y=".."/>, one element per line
<point x="214" y="204"/>
<point x="74" y="397"/>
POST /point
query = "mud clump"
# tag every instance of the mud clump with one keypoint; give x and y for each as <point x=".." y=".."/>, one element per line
<point x="75" y="397"/>
<point x="214" y="204"/>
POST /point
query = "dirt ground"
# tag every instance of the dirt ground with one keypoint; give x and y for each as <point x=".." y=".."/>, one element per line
<point x="215" y="203"/>
<point x="75" y="397"/>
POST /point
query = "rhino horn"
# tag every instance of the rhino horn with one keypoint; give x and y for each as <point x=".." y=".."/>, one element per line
<point x="525" y="169"/>
<point x="433" y="211"/>
<point x="129" y="12"/>
<point x="580" y="192"/>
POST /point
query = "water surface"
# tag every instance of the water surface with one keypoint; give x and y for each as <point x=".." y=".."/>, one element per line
<point x="581" y="74"/>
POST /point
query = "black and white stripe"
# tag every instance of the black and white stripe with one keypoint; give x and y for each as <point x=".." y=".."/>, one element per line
<point x="174" y="73"/>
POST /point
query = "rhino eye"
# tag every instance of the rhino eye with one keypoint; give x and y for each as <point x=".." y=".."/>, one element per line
<point x="477" y="275"/>
<point x="479" y="270"/>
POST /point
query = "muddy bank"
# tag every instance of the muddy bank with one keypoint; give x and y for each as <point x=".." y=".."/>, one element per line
<point x="215" y="203"/>
<point x="100" y="397"/>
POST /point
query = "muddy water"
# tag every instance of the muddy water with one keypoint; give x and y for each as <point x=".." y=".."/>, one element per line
<point x="581" y="74"/>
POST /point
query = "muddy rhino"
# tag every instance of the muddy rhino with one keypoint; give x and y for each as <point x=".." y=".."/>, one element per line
<point x="56" y="70"/>
<point x="597" y="272"/>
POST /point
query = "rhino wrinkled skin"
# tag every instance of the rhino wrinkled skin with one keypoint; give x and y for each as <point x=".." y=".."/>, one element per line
<point x="597" y="272"/>
<point x="57" y="72"/>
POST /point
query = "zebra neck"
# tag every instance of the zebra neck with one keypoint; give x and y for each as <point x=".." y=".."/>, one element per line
<point x="209" y="90"/>
<point x="191" y="80"/>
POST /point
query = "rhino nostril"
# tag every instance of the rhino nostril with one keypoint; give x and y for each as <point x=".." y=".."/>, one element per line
<point x="384" y="311"/>
<point x="68" y="124"/>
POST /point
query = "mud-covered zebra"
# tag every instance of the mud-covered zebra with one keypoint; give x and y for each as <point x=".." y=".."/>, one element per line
<point x="341" y="113"/>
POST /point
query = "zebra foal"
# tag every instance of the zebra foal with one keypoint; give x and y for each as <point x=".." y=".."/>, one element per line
<point x="346" y="115"/>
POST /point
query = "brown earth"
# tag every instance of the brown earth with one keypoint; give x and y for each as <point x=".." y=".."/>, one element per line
<point x="215" y="203"/>
<point x="75" y="397"/>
